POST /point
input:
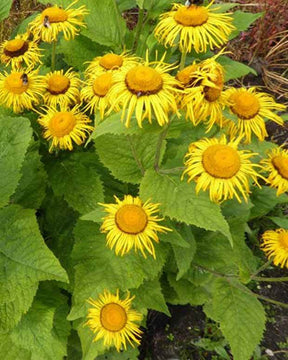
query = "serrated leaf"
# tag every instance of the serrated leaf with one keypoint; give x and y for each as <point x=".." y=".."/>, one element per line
<point x="242" y="20"/>
<point x="15" y="134"/>
<point x="149" y="296"/>
<point x="32" y="185"/>
<point x="9" y="351"/>
<point x="24" y="260"/>
<point x="5" y="7"/>
<point x="104" y="23"/>
<point x="234" y="69"/>
<point x="241" y="317"/>
<point x="179" y="201"/>
<point x="187" y="293"/>
<point x="134" y="153"/>
<point x="93" y="259"/>
<point x="44" y="329"/>
<point x="76" y="178"/>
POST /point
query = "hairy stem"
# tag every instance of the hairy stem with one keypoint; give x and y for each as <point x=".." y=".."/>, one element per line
<point x="263" y="267"/>
<point x="53" y="56"/>
<point x="183" y="60"/>
<point x="172" y="171"/>
<point x="138" y="29"/>
<point x="162" y="137"/>
<point x="270" y="279"/>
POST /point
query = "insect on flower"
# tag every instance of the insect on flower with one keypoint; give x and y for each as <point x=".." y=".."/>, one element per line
<point x="24" y="78"/>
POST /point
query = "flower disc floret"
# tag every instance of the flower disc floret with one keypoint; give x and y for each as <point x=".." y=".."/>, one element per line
<point x="111" y="61"/>
<point x="54" y="20"/>
<point x="194" y="27"/>
<point x="277" y="167"/>
<point x="132" y="224"/>
<point x="143" y="80"/>
<point x="275" y="245"/>
<point x="218" y="166"/>
<point x="251" y="108"/>
<point x="113" y="320"/>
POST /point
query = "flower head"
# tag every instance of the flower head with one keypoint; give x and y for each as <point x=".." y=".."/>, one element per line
<point x="110" y="62"/>
<point x="251" y="107"/>
<point x="275" y="245"/>
<point x="146" y="90"/>
<point x="113" y="320"/>
<point x="61" y="88"/>
<point x="132" y="224"/>
<point x="277" y="167"/>
<point x="216" y="165"/>
<point x="54" y="20"/>
<point x="95" y="91"/>
<point x="19" y="51"/>
<point x="20" y="89"/>
<point x="194" y="27"/>
<point x="64" y="127"/>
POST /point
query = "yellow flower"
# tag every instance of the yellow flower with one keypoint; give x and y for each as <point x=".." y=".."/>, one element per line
<point x="194" y="27"/>
<point x="132" y="224"/>
<point x="275" y="245"/>
<point x="251" y="107"/>
<point x="146" y="90"/>
<point x="217" y="165"/>
<point x="20" y="89"/>
<point x="110" y="62"/>
<point x="95" y="91"/>
<point x="277" y="166"/>
<point x="61" y="88"/>
<point x="54" y="20"/>
<point x="19" y="51"/>
<point x="65" y="127"/>
<point x="113" y="320"/>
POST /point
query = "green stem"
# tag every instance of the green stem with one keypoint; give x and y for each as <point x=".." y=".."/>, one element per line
<point x="138" y="29"/>
<point x="162" y="136"/>
<point x="53" y="56"/>
<point x="275" y="302"/>
<point x="271" y="279"/>
<point x="172" y="171"/>
<point x="134" y="153"/>
<point x="263" y="267"/>
<point x="183" y="60"/>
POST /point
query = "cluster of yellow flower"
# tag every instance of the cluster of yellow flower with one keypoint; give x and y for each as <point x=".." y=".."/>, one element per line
<point x="146" y="90"/>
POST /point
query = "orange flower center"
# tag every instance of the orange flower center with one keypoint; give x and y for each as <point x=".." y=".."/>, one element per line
<point x="62" y="123"/>
<point x="283" y="240"/>
<point x="113" y="317"/>
<point x="131" y="219"/>
<point x="15" y="47"/>
<point x="111" y="61"/>
<point x="54" y="14"/>
<point x="213" y="93"/>
<point x="221" y="161"/>
<point x="191" y="16"/>
<point x="102" y="84"/>
<point x="280" y="163"/>
<point x="58" y="84"/>
<point x="15" y="84"/>
<point x="143" y="80"/>
<point x="185" y="76"/>
<point x="245" y="105"/>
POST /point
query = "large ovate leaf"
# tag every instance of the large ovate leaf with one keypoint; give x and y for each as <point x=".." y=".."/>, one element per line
<point x="15" y="134"/>
<point x="9" y="351"/>
<point x="5" y="7"/>
<point x="44" y="330"/>
<point x="24" y="261"/>
<point x="134" y="153"/>
<point x="76" y="177"/>
<point x="104" y="23"/>
<point x="241" y="317"/>
<point x="180" y="202"/>
<point x="90" y="349"/>
<point x="242" y="20"/>
<point x="98" y="268"/>
<point x="234" y="69"/>
<point x="32" y="185"/>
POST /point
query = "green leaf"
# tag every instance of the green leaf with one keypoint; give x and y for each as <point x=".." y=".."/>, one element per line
<point x="149" y="296"/>
<point x="221" y="8"/>
<point x="9" y="351"/>
<point x="129" y="354"/>
<point x="187" y="293"/>
<point x="265" y="200"/>
<point x="104" y="23"/>
<point x="15" y="134"/>
<point x="32" y="185"/>
<point x="90" y="348"/>
<point x="93" y="259"/>
<point x="242" y="21"/>
<point x="241" y="317"/>
<point x="87" y="50"/>
<point x="76" y="178"/>
<point x="234" y="69"/>
<point x="5" y="7"/>
<point x="95" y="215"/>
<point x="44" y="329"/>
<point x="281" y="222"/>
<point x="24" y="260"/>
<point x="134" y="153"/>
<point x="180" y="202"/>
